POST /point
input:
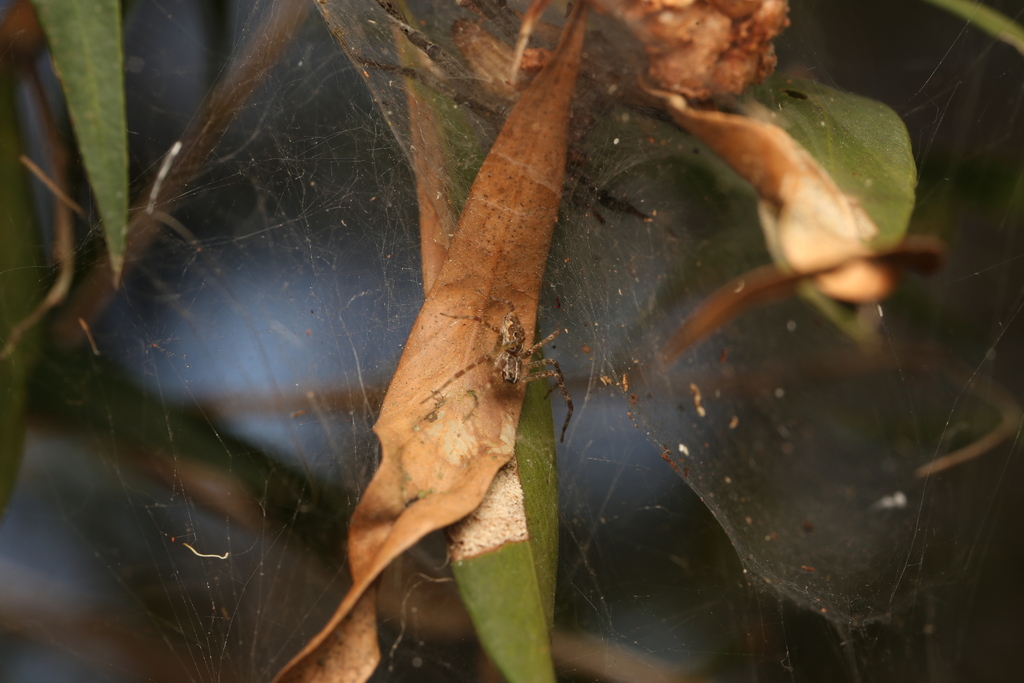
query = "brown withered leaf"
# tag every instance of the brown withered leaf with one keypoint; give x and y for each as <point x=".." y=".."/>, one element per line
<point x="488" y="58"/>
<point x="21" y="36"/>
<point x="426" y="144"/>
<point x="702" y="48"/>
<point x="441" y="451"/>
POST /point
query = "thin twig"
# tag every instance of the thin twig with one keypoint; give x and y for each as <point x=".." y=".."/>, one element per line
<point x="63" y="233"/>
<point x="585" y="655"/>
<point x="1009" y="423"/>
<point x="50" y="185"/>
<point x="88" y="335"/>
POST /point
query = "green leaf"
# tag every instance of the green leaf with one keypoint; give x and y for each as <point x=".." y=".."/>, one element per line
<point x="538" y="472"/>
<point x="19" y="287"/>
<point x="501" y="593"/>
<point x="987" y="19"/>
<point x="862" y="143"/>
<point x="86" y="49"/>
<point x="510" y="592"/>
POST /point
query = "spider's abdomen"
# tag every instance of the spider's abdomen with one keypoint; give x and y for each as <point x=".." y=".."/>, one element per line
<point x="510" y="367"/>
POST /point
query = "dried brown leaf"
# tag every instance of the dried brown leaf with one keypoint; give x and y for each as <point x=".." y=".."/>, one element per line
<point x="701" y="48"/>
<point x="21" y="36"/>
<point x="488" y="58"/>
<point x="426" y="144"/>
<point x="441" y="451"/>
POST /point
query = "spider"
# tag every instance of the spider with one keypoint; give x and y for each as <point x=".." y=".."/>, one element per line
<point x="511" y="360"/>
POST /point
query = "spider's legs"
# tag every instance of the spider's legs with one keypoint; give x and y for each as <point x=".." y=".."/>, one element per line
<point x="556" y="372"/>
<point x="472" y="317"/>
<point x="460" y="373"/>
<point x="529" y="351"/>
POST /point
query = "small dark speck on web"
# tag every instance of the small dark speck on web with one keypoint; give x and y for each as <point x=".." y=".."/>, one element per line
<point x="795" y="94"/>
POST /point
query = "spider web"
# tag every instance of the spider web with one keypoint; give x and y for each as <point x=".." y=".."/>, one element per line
<point x="241" y="366"/>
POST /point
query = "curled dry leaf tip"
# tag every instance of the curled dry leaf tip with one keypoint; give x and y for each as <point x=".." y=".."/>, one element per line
<point x="769" y="284"/>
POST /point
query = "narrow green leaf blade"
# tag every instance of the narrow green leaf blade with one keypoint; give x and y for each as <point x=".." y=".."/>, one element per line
<point x="862" y="143"/>
<point x="510" y="592"/>
<point x="19" y="287"/>
<point x="87" y="53"/>
<point x="987" y="19"/>
<point x="538" y="472"/>
<point x="500" y="591"/>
